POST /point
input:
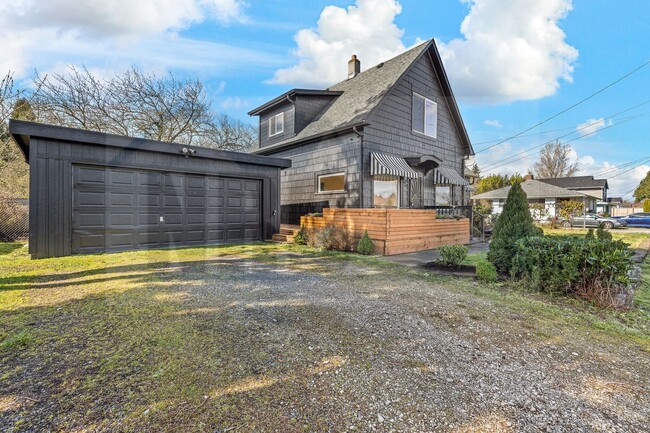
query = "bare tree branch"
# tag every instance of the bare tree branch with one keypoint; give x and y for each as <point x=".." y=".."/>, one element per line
<point x="554" y="161"/>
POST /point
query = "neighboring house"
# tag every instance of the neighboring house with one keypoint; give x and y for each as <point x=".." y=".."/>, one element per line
<point x="595" y="189"/>
<point x="390" y="136"/>
<point x="541" y="195"/>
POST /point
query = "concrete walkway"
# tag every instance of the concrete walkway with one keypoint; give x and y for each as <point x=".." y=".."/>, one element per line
<point x="420" y="258"/>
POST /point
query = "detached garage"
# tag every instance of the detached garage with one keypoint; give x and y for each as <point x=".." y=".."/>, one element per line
<point x="95" y="192"/>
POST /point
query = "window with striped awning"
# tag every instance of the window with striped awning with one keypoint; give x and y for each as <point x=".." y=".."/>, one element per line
<point x="389" y="165"/>
<point x="448" y="176"/>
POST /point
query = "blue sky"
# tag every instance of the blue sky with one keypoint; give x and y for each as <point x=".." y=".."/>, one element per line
<point x="512" y="63"/>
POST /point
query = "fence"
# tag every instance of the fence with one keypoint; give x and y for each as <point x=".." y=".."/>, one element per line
<point x="14" y="219"/>
<point x="622" y="211"/>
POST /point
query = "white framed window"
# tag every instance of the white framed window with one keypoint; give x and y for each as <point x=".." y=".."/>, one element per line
<point x="385" y="193"/>
<point x="443" y="195"/>
<point x="332" y="182"/>
<point x="276" y="124"/>
<point x="425" y="116"/>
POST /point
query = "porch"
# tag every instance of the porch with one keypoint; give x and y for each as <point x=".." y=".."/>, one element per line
<point x="396" y="231"/>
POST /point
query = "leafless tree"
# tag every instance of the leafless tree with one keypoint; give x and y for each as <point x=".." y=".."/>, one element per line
<point x="139" y="105"/>
<point x="13" y="169"/>
<point x="555" y="161"/>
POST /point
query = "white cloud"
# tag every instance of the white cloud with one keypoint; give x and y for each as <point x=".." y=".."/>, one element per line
<point x="95" y="29"/>
<point x="494" y="123"/>
<point x="591" y="126"/>
<point x="510" y="50"/>
<point x="234" y="102"/>
<point x="366" y="29"/>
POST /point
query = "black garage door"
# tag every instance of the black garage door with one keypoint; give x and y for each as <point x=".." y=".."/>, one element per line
<point x="119" y="209"/>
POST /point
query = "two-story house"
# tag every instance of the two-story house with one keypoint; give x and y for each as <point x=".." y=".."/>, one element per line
<point x="390" y="136"/>
<point x="594" y="189"/>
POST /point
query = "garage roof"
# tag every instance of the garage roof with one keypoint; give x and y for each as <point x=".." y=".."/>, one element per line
<point x="23" y="131"/>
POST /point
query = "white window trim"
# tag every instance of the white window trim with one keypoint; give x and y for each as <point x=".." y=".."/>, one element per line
<point x="334" y="191"/>
<point x="271" y="134"/>
<point x="424" y="126"/>
<point x="398" y="182"/>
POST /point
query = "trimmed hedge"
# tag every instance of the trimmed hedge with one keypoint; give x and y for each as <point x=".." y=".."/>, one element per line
<point x="590" y="267"/>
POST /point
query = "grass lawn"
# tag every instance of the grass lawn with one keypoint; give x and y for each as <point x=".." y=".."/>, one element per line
<point x="633" y="238"/>
<point x="269" y="337"/>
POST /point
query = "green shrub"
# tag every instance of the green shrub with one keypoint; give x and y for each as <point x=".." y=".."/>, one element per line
<point x="602" y="234"/>
<point x="299" y="238"/>
<point x="452" y="255"/>
<point x="514" y="223"/>
<point x="596" y="269"/>
<point x="590" y="235"/>
<point x="646" y="206"/>
<point x="365" y="245"/>
<point x="485" y="271"/>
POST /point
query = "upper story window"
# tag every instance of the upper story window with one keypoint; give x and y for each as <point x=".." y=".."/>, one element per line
<point x="276" y="124"/>
<point x="425" y="116"/>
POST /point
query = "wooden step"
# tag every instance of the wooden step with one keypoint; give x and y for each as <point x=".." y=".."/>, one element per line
<point x="290" y="232"/>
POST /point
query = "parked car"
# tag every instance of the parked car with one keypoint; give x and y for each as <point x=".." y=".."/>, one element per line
<point x="593" y="220"/>
<point x="639" y="219"/>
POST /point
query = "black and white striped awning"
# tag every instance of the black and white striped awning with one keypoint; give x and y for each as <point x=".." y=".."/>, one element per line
<point x="388" y="165"/>
<point x="448" y="176"/>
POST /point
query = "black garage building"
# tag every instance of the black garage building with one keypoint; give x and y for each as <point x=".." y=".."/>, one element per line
<point x="94" y="192"/>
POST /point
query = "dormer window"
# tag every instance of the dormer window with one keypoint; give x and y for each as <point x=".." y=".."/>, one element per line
<point x="276" y="124"/>
<point x="425" y="116"/>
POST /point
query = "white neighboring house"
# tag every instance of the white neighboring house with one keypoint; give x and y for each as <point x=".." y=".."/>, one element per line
<point x="538" y="193"/>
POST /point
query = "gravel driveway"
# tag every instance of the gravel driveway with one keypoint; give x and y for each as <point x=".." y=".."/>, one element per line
<point x="317" y="344"/>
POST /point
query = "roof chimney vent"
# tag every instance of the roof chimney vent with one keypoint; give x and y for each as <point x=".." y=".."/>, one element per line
<point x="528" y="177"/>
<point x="354" y="67"/>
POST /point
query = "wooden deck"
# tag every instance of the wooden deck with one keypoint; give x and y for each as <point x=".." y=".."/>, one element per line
<point x="395" y="231"/>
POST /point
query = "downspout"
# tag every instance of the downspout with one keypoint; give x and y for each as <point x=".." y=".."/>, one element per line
<point x="360" y="134"/>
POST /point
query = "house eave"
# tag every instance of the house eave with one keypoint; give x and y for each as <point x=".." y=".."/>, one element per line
<point x="291" y="93"/>
<point x="304" y="140"/>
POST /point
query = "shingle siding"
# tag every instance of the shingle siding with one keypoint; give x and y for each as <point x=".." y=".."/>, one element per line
<point x="335" y="154"/>
<point x="289" y="125"/>
<point x="307" y="108"/>
<point x="390" y="129"/>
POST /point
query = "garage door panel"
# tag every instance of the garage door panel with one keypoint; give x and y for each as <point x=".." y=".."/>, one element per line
<point x="172" y="200"/>
<point x="122" y="178"/>
<point x="117" y="209"/>
<point x="90" y="175"/>
<point x="90" y="219"/>
<point x="90" y="198"/>
<point x="121" y="219"/>
<point x="174" y="181"/>
<point x="148" y="179"/>
<point x="121" y="199"/>
<point x="149" y="200"/>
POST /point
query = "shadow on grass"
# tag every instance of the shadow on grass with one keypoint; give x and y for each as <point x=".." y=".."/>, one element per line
<point x="9" y="247"/>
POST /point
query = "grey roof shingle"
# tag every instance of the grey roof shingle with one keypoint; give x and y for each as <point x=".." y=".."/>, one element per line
<point x="534" y="189"/>
<point x="363" y="93"/>
<point x="576" y="182"/>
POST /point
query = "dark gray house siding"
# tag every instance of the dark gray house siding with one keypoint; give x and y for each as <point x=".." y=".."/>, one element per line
<point x="307" y="108"/>
<point x="112" y="183"/>
<point x="390" y="129"/>
<point x="289" y="126"/>
<point x="340" y="154"/>
<point x="372" y="112"/>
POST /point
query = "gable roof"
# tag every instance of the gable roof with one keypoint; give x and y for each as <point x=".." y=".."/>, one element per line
<point x="534" y="189"/>
<point x="577" y="182"/>
<point x="363" y="93"/>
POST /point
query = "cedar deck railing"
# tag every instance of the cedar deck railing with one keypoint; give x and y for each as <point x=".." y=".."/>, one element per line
<point x="395" y="231"/>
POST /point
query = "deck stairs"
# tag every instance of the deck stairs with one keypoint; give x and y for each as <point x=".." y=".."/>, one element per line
<point x="287" y="233"/>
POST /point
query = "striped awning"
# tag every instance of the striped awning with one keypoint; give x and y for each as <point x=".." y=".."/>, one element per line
<point x="448" y="176"/>
<point x="382" y="165"/>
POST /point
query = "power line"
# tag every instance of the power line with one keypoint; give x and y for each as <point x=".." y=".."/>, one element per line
<point x="514" y="157"/>
<point x="619" y="167"/>
<point x="572" y="106"/>
<point x="629" y="169"/>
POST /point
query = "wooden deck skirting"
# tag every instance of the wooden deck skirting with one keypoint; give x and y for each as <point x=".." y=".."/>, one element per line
<point x="395" y="231"/>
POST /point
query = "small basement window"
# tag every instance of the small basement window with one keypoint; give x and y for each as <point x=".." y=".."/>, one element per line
<point x="276" y="124"/>
<point x="425" y="116"/>
<point x="334" y="182"/>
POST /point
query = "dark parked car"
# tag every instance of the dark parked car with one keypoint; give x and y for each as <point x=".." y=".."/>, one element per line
<point x="593" y="220"/>
<point x="639" y="219"/>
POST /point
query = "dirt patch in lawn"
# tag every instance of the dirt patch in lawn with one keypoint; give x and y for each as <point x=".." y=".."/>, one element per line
<point x="261" y="340"/>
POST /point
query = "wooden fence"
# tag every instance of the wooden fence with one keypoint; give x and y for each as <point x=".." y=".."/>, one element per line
<point x="622" y="211"/>
<point x="395" y="231"/>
